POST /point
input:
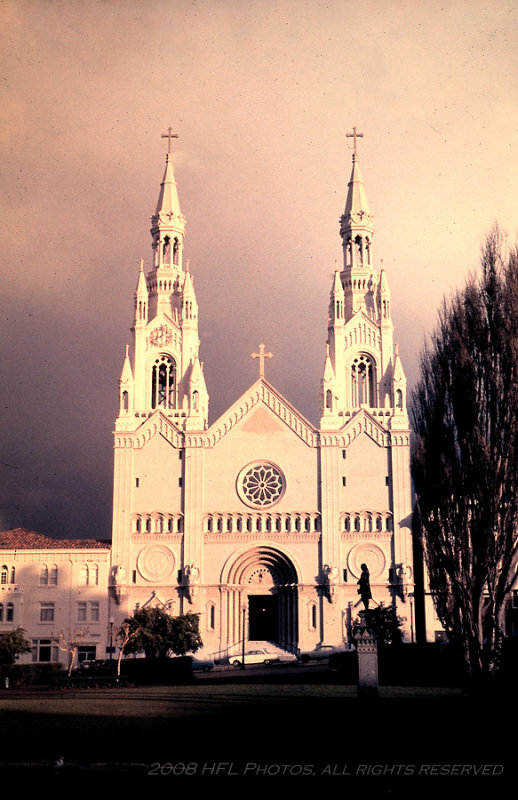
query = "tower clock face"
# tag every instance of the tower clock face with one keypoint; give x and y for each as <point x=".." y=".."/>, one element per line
<point x="261" y="484"/>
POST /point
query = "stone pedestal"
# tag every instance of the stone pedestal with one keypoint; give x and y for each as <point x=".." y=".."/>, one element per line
<point x="367" y="649"/>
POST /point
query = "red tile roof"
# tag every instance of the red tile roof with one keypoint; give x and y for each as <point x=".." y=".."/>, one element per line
<point x="22" y="539"/>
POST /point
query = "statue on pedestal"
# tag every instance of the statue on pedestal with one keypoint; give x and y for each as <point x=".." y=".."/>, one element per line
<point x="365" y="587"/>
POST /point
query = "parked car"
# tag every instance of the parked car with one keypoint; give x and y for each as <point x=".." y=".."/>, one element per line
<point x="254" y="657"/>
<point x="320" y="653"/>
<point x="202" y="664"/>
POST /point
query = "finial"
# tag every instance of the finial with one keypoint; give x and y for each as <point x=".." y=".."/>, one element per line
<point x="354" y="135"/>
<point x="261" y="355"/>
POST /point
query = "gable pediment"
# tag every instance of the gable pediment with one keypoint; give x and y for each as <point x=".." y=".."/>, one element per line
<point x="262" y="410"/>
<point x="361" y="330"/>
<point x="362" y="422"/>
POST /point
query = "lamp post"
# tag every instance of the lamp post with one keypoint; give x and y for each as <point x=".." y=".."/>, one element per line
<point x="111" y="637"/>
<point x="243" y="648"/>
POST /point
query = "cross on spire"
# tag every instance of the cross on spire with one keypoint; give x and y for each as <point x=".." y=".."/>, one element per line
<point x="354" y="135"/>
<point x="261" y="355"/>
<point x="169" y="135"/>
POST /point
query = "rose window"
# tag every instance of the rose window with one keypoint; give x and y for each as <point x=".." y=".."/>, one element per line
<point x="261" y="484"/>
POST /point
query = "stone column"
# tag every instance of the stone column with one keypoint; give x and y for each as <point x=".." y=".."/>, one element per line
<point x="367" y="649"/>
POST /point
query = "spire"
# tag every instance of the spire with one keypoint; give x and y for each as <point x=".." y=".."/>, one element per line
<point x="141" y="297"/>
<point x="356" y="223"/>
<point x="356" y="204"/>
<point x="168" y="222"/>
<point x="336" y="305"/>
<point x="168" y="202"/>
<point x="126" y="386"/>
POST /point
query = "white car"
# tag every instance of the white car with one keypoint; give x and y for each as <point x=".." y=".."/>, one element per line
<point x="254" y="657"/>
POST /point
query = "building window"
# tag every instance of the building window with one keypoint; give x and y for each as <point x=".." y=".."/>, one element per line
<point x="86" y="653"/>
<point x="363" y="381"/>
<point x="48" y="575"/>
<point x="81" y="611"/>
<point x="44" y="650"/>
<point x="89" y="575"/>
<point x="261" y="484"/>
<point x="1" y="612"/>
<point x="94" y="611"/>
<point x="46" y="612"/>
<point x="4" y="574"/>
<point x="163" y="383"/>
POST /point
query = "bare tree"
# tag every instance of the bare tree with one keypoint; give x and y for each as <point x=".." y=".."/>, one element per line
<point x="465" y="461"/>
<point x="124" y="635"/>
<point x="69" y="641"/>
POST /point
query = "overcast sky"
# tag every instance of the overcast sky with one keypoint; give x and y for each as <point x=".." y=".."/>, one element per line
<point x="261" y="94"/>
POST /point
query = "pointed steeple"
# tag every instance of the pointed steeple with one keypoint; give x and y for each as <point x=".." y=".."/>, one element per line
<point x="356" y="223"/>
<point x="400" y="417"/>
<point x="336" y="305"/>
<point x="141" y="298"/>
<point x="126" y="386"/>
<point x="168" y="202"/>
<point x="168" y="222"/>
<point x="356" y="204"/>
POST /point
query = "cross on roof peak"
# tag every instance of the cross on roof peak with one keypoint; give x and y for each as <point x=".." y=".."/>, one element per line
<point x="169" y="135"/>
<point x="261" y="355"/>
<point x="354" y="135"/>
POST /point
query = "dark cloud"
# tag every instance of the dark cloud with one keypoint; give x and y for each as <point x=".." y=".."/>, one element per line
<point x="261" y="95"/>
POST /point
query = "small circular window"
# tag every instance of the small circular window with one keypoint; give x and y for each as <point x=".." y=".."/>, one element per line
<point x="260" y="484"/>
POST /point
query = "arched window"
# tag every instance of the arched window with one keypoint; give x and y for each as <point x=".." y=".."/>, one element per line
<point x="166" y="250"/>
<point x="363" y="381"/>
<point x="13" y="575"/>
<point x="163" y="383"/>
<point x="4" y="574"/>
<point x="176" y="250"/>
<point x="329" y="399"/>
<point x="83" y="575"/>
<point x="399" y="398"/>
<point x="53" y="575"/>
<point x="44" y="575"/>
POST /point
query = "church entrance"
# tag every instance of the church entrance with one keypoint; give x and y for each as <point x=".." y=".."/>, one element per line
<point x="263" y="617"/>
<point x="261" y="601"/>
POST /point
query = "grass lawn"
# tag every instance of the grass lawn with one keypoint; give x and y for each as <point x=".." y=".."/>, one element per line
<point x="231" y="731"/>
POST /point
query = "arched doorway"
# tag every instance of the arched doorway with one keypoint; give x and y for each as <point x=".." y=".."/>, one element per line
<point x="261" y="590"/>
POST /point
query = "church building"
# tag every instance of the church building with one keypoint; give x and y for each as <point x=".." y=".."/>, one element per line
<point x="259" y="521"/>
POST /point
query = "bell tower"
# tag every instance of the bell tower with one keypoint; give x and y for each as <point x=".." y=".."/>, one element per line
<point x="364" y="426"/>
<point x="359" y="370"/>
<point x="166" y="374"/>
<point x="162" y="396"/>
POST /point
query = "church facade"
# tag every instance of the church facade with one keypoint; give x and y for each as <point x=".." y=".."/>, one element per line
<point x="260" y="521"/>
